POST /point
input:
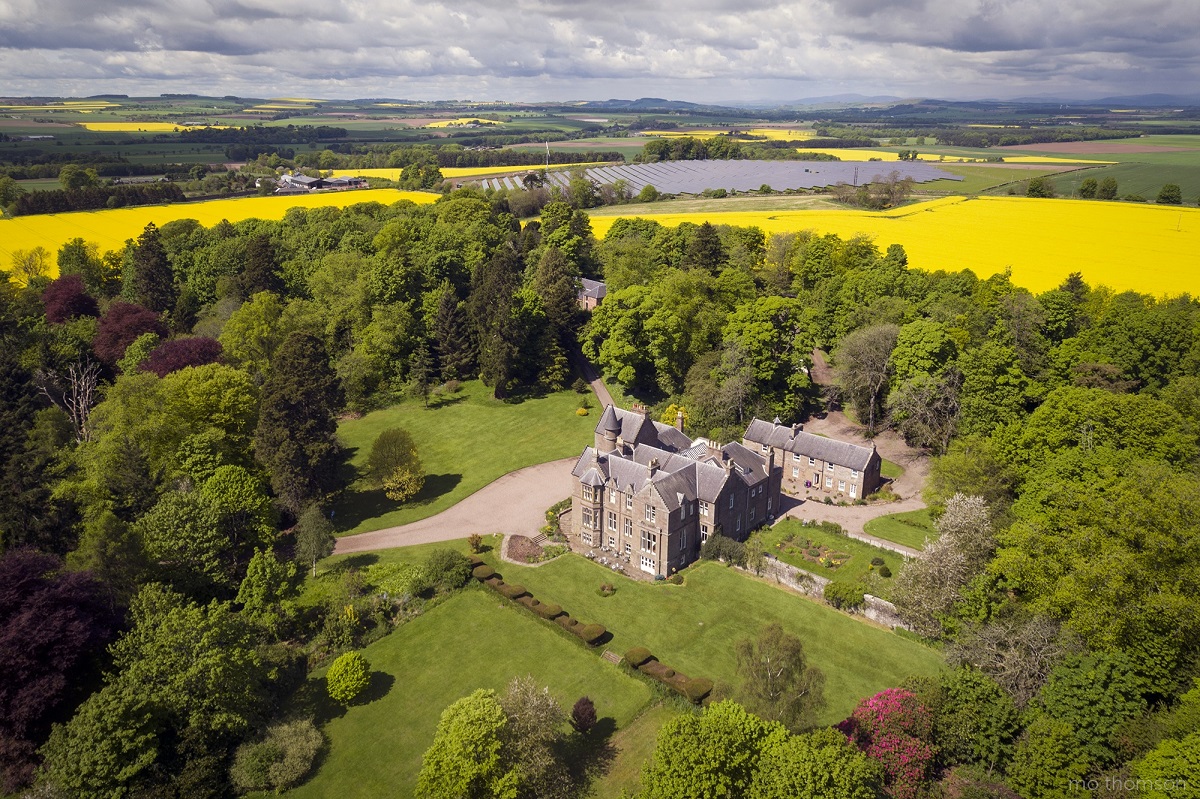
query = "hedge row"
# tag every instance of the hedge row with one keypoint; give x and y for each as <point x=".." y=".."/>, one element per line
<point x="589" y="633"/>
<point x="695" y="689"/>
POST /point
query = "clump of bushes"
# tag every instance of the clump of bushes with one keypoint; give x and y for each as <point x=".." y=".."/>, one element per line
<point x="566" y="622"/>
<point x="607" y="589"/>
<point x="280" y="760"/>
<point x="581" y="411"/>
<point x="845" y="596"/>
<point x="548" y="610"/>
<point x="446" y="569"/>
<point x="511" y="590"/>
<point x="483" y="572"/>
<point x="884" y="571"/>
<point x="675" y="579"/>
<point x="877" y="561"/>
<point x="719" y="547"/>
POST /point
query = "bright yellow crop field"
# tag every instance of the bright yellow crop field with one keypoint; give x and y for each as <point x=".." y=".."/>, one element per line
<point x="1127" y="246"/>
<point x="445" y="123"/>
<point x="110" y="228"/>
<point x="151" y="127"/>
<point x="848" y="154"/>
<point x="779" y="134"/>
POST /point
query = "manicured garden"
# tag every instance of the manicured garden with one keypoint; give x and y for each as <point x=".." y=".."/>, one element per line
<point x="465" y="441"/>
<point x="693" y="627"/>
<point x="910" y="528"/>
<point x="476" y="639"/>
<point x="818" y="549"/>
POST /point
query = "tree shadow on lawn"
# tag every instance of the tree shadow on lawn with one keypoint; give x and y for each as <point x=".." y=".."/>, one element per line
<point x="359" y="505"/>
<point x="589" y="757"/>
<point x="312" y="698"/>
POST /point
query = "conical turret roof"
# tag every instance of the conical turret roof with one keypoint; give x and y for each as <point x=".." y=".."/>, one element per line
<point x="609" y="422"/>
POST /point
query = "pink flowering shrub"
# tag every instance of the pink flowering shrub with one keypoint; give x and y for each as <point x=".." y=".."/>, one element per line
<point x="893" y="728"/>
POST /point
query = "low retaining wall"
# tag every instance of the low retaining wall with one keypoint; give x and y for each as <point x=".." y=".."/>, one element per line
<point x="877" y="610"/>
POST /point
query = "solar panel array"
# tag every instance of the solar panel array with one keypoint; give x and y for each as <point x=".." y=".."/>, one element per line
<point x="693" y="177"/>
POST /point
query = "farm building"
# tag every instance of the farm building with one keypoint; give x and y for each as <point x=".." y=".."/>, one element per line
<point x="591" y="293"/>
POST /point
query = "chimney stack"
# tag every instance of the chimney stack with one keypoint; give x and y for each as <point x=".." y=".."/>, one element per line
<point x="679" y="420"/>
<point x="653" y="466"/>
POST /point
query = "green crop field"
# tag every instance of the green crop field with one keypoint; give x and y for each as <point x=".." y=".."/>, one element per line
<point x="465" y="443"/>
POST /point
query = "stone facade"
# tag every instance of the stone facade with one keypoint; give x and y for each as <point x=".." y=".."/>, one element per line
<point x="814" y="465"/>
<point x="650" y="496"/>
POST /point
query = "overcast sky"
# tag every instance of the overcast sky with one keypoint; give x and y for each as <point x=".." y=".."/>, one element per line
<point x="702" y="50"/>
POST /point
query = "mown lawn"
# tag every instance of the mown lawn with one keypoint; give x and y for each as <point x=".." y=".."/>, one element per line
<point x="910" y="528"/>
<point x="856" y="568"/>
<point x="465" y="442"/>
<point x="634" y="746"/>
<point x="474" y="640"/>
<point x="693" y="627"/>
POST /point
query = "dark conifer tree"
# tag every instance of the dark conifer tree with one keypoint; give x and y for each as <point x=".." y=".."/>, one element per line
<point x="705" y="250"/>
<point x="493" y="293"/>
<point x="557" y="283"/>
<point x="452" y="337"/>
<point x="296" y="439"/>
<point x="262" y="268"/>
<point x="153" y="283"/>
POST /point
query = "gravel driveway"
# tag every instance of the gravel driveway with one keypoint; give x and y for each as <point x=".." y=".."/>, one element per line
<point x="516" y="503"/>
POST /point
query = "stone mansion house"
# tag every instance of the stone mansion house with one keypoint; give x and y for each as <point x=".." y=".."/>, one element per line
<point x="651" y="495"/>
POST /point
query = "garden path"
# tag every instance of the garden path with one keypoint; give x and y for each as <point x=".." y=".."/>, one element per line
<point x="516" y="503"/>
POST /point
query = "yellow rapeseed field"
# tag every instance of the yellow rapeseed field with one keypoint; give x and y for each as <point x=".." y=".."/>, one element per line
<point x="150" y="127"/>
<point x="1127" y="246"/>
<point x="780" y="134"/>
<point x="110" y="228"/>
<point x="850" y="154"/>
<point x="445" y="123"/>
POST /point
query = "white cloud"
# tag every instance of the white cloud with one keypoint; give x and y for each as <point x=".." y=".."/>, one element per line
<point x="556" y="49"/>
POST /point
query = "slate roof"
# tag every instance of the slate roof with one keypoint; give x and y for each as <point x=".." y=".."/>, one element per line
<point x="592" y="288"/>
<point x="830" y="450"/>
<point x="636" y="428"/>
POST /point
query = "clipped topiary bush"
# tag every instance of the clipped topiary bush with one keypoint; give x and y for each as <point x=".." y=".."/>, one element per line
<point x="884" y="571"/>
<point x="590" y="633"/>
<point x="347" y="677"/>
<point x="482" y="572"/>
<point x="696" y="689"/>
<point x="637" y="656"/>
<point x="566" y="622"/>
<point x="548" y="611"/>
<point x="512" y="590"/>
<point x="494" y="582"/>
<point x="528" y="601"/>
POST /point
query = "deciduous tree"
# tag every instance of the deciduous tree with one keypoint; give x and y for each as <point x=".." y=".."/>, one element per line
<point x="777" y="681"/>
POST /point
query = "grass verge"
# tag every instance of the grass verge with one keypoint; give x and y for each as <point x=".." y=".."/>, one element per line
<point x="910" y="528"/>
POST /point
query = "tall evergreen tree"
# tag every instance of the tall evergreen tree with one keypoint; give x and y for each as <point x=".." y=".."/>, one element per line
<point x="704" y="250"/>
<point x="452" y="336"/>
<point x="557" y="283"/>
<point x="262" y="268"/>
<point x="153" y="280"/>
<point x="492" y="305"/>
<point x="296" y="439"/>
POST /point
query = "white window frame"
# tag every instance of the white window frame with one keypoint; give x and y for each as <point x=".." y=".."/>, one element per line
<point x="854" y="474"/>
<point x="650" y="513"/>
<point x="629" y="528"/>
<point x="587" y="518"/>
<point x="646" y="564"/>
<point x="703" y="508"/>
<point x="812" y="461"/>
<point x="765" y="448"/>
<point x="649" y="542"/>
<point x="612" y="496"/>
<point x="795" y="471"/>
<point x="703" y="533"/>
<point x="829" y="482"/>
<point x="841" y="485"/>
<point x="587" y="493"/>
<point x="629" y="502"/>
<point x="796" y="456"/>
<point x="828" y="466"/>
<point x="612" y="520"/>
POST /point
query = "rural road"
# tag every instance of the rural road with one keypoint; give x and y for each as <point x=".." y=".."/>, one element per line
<point x="515" y="503"/>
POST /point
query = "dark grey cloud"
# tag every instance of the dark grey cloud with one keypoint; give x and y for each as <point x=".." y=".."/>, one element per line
<point x="707" y="50"/>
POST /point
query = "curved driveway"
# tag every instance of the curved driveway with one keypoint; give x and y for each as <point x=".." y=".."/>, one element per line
<point x="515" y="503"/>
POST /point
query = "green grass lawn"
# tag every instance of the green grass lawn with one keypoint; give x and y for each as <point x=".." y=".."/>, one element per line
<point x="693" y="627"/>
<point x="891" y="471"/>
<point x="977" y="178"/>
<point x="464" y="443"/>
<point x="474" y="640"/>
<point x="856" y="568"/>
<point x="910" y="528"/>
<point x="634" y="745"/>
